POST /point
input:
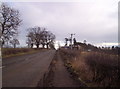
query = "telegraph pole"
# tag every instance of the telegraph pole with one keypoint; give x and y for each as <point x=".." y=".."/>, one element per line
<point x="71" y="39"/>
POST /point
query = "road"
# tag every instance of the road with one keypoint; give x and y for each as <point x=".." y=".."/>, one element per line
<point x="26" y="70"/>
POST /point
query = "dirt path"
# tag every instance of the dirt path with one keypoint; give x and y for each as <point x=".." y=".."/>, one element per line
<point x="57" y="75"/>
<point x="61" y="76"/>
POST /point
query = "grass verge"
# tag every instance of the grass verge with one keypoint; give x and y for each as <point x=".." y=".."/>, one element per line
<point x="94" y="69"/>
<point x="10" y="52"/>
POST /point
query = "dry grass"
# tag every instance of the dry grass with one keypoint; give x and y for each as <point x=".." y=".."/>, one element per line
<point x="8" y="52"/>
<point x="104" y="68"/>
<point x="94" y="68"/>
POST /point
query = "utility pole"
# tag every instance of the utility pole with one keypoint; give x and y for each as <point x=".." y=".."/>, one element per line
<point x="71" y="39"/>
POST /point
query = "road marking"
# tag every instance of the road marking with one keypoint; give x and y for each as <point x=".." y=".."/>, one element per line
<point x="2" y="67"/>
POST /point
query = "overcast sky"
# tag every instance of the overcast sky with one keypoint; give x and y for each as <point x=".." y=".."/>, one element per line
<point x="93" y="20"/>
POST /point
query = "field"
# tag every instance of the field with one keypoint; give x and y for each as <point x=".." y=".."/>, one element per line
<point x="8" y="52"/>
<point x="95" y="69"/>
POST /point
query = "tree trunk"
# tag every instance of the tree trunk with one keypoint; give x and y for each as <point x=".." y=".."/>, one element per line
<point x="3" y="28"/>
<point x="2" y="43"/>
<point x="47" y="45"/>
<point x="43" y="45"/>
<point x="14" y="45"/>
<point x="31" y="45"/>
<point x="37" y="45"/>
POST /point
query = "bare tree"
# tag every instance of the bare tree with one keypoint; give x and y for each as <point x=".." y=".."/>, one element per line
<point x="9" y="22"/>
<point x="50" y="39"/>
<point x="30" y="40"/>
<point x="39" y="36"/>
<point x="66" y="41"/>
<point x="74" y="41"/>
<point x="36" y="35"/>
<point x="44" y="38"/>
<point x="84" y="41"/>
<point x="14" y="42"/>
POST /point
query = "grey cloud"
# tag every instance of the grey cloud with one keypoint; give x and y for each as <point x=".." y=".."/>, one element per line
<point x="93" y="21"/>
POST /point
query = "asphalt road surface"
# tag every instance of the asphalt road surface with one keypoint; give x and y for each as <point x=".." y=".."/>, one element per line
<point x="26" y="70"/>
